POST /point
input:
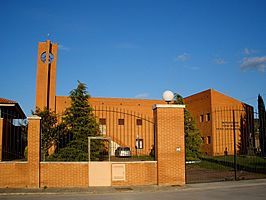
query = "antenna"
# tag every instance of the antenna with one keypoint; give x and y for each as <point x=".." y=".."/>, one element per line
<point x="47" y="36"/>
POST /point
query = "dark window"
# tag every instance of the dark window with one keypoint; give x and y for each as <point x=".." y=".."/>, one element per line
<point x="201" y="118"/>
<point x="139" y="122"/>
<point x="208" y="117"/>
<point x="121" y="121"/>
<point x="209" y="140"/>
<point x="102" y="121"/>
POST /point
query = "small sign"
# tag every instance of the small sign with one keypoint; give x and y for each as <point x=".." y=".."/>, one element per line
<point x="178" y="149"/>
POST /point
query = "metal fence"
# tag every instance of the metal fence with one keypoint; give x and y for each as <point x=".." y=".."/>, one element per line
<point x="124" y="136"/>
<point x="231" y="148"/>
<point x="14" y="137"/>
<point x="131" y="134"/>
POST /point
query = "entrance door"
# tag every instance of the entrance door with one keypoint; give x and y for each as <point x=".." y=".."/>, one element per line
<point x="99" y="174"/>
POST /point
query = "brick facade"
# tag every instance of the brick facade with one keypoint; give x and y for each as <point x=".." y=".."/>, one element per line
<point x="212" y="112"/>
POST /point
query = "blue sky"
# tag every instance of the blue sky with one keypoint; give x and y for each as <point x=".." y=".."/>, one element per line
<point x="136" y="48"/>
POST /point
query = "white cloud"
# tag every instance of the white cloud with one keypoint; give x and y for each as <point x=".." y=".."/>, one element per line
<point x="183" y="57"/>
<point x="247" y="51"/>
<point x="256" y="63"/>
<point x="219" y="61"/>
<point x="63" y="48"/>
<point x="142" y="95"/>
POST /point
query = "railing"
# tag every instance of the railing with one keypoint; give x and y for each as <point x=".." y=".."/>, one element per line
<point x="232" y="151"/>
<point x="14" y="138"/>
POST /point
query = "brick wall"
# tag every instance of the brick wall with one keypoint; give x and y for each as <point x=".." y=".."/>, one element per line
<point x="34" y="128"/>
<point x="64" y="174"/>
<point x="169" y="169"/>
<point x="14" y="175"/>
<point x="139" y="173"/>
<point x="170" y="144"/>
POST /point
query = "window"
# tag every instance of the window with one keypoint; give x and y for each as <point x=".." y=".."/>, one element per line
<point x="201" y="118"/>
<point x="102" y="121"/>
<point x="102" y="126"/>
<point x="202" y="138"/>
<point x="139" y="122"/>
<point x="121" y="121"/>
<point x="209" y="140"/>
<point x="139" y="143"/>
<point x="208" y="117"/>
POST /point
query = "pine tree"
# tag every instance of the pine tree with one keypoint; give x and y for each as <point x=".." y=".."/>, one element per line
<point x="80" y="123"/>
<point x="262" y="126"/>
<point x="192" y="134"/>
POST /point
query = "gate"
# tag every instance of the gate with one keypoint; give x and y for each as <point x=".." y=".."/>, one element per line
<point x="129" y="130"/>
<point x="230" y="149"/>
<point x="125" y="136"/>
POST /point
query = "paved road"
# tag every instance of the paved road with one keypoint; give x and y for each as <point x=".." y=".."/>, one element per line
<point x="244" y="190"/>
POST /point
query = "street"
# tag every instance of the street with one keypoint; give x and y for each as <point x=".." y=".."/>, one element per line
<point x="226" y="190"/>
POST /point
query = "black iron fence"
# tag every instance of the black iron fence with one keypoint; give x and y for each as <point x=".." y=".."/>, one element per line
<point x="131" y="134"/>
<point x="14" y="137"/>
<point x="124" y="135"/>
<point x="231" y="147"/>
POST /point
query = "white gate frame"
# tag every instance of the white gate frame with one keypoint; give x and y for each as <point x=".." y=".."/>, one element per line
<point x="99" y="138"/>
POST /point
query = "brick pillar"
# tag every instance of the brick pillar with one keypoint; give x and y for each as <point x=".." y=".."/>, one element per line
<point x="34" y="127"/>
<point x="1" y="138"/>
<point x="170" y="144"/>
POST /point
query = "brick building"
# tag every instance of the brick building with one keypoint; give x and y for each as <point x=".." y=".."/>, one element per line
<point x="218" y="116"/>
<point x="125" y="120"/>
<point x="210" y="109"/>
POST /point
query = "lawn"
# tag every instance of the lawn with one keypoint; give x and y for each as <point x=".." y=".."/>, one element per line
<point x="249" y="163"/>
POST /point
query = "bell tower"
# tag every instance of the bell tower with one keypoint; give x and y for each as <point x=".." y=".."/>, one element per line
<point x="46" y="75"/>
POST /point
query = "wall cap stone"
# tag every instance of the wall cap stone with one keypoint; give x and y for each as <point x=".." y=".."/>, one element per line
<point x="34" y="117"/>
<point x="65" y="163"/>
<point x="168" y="106"/>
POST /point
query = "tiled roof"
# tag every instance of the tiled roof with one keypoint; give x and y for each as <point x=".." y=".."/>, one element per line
<point x="2" y="100"/>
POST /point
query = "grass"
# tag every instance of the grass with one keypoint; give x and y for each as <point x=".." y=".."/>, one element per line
<point x="205" y="164"/>
<point x="249" y="163"/>
<point x="213" y="166"/>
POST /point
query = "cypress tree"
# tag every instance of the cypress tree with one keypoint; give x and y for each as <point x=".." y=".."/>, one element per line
<point x="192" y="134"/>
<point x="262" y="125"/>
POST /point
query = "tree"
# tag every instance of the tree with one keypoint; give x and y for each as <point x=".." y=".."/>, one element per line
<point x="193" y="139"/>
<point x="49" y="127"/>
<point x="262" y="125"/>
<point x="80" y="123"/>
